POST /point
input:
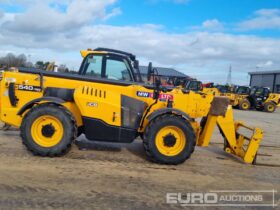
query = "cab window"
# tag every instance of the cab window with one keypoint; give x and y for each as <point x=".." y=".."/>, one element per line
<point x="265" y="92"/>
<point x="260" y="92"/>
<point x="93" y="66"/>
<point x="195" y="86"/>
<point x="117" y="69"/>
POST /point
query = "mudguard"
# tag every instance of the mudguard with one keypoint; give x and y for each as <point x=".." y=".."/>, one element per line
<point x="159" y="112"/>
<point x="30" y="104"/>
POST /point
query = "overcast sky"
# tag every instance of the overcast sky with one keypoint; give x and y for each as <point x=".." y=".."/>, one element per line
<point x="201" y="38"/>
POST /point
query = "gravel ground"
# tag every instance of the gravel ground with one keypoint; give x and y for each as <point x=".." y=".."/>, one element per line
<point x="110" y="176"/>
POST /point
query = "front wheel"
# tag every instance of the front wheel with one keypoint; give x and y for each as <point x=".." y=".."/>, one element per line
<point x="48" y="130"/>
<point x="169" y="139"/>
<point x="269" y="107"/>
<point x="244" y="105"/>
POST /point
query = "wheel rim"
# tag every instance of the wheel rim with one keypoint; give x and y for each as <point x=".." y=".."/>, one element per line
<point x="270" y="108"/>
<point x="47" y="131"/>
<point x="170" y="141"/>
<point x="245" y="106"/>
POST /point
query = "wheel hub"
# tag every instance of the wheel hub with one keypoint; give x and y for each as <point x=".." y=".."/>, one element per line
<point x="169" y="140"/>
<point x="48" y="130"/>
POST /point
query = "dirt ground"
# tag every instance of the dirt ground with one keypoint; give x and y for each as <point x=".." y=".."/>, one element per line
<point x="118" y="176"/>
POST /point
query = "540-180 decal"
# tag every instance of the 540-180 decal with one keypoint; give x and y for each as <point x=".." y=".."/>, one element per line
<point x="29" y="88"/>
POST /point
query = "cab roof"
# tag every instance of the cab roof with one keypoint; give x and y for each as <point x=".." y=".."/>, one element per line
<point x="101" y="50"/>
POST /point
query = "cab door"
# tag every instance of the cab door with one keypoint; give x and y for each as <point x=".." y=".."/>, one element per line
<point x="260" y="96"/>
<point x="108" y="67"/>
<point x="118" y="68"/>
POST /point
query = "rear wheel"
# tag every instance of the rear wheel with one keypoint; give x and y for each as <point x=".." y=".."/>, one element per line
<point x="169" y="139"/>
<point x="269" y="107"/>
<point x="48" y="130"/>
<point x="244" y="105"/>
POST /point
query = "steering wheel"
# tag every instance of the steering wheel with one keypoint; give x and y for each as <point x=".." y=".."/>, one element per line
<point x="150" y="71"/>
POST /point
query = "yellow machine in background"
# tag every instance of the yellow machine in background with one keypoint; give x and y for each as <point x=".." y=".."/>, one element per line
<point x="274" y="97"/>
<point x="213" y="91"/>
<point x="241" y="93"/>
<point x="51" y="67"/>
<point x="107" y="102"/>
<point x="261" y="99"/>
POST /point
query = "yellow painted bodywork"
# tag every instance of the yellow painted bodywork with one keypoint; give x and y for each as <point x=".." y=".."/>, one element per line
<point x="95" y="106"/>
<point x="237" y="99"/>
<point x="85" y="53"/>
<point x="8" y="113"/>
<point x="274" y="97"/>
<point x="213" y="91"/>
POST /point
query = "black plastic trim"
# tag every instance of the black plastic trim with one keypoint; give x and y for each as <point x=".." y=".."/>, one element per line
<point x="30" y="104"/>
<point x="131" y="56"/>
<point x="98" y="130"/>
<point x="83" y="78"/>
<point x="132" y="112"/>
<point x="62" y="93"/>
<point x="159" y="112"/>
<point x="12" y="94"/>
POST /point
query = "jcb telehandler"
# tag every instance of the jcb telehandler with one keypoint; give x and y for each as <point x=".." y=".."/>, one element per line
<point x="107" y="102"/>
<point x="260" y="98"/>
<point x="238" y="95"/>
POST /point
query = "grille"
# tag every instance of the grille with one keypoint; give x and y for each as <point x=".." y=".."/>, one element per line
<point x="94" y="92"/>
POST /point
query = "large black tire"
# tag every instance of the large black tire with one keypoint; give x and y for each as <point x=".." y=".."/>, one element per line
<point x="269" y="107"/>
<point x="152" y="130"/>
<point x="64" y="117"/>
<point x="244" y="104"/>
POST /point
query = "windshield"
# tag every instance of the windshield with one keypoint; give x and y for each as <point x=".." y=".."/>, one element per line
<point x="193" y="85"/>
<point x="259" y="91"/>
<point x="243" y="90"/>
<point x="223" y="89"/>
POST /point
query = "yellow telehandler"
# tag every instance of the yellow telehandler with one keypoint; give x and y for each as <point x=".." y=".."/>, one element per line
<point x="107" y="101"/>
<point x="261" y="99"/>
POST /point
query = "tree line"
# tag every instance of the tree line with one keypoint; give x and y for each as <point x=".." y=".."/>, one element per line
<point x="11" y="60"/>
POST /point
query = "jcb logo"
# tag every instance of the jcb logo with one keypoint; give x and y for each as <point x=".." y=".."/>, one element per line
<point x="92" y="104"/>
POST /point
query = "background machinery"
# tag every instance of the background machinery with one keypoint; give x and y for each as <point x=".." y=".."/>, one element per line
<point x="242" y="97"/>
<point x="107" y="102"/>
<point x="237" y="95"/>
<point x="260" y="98"/>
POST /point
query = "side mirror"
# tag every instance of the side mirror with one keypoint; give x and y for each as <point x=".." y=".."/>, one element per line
<point x="158" y="82"/>
<point x="150" y="71"/>
<point x="136" y="64"/>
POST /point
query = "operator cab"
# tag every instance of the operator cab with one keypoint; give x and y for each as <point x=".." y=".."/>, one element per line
<point x="194" y="85"/>
<point x="104" y="63"/>
<point x="243" y="90"/>
<point x="259" y="95"/>
<point x="224" y="88"/>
